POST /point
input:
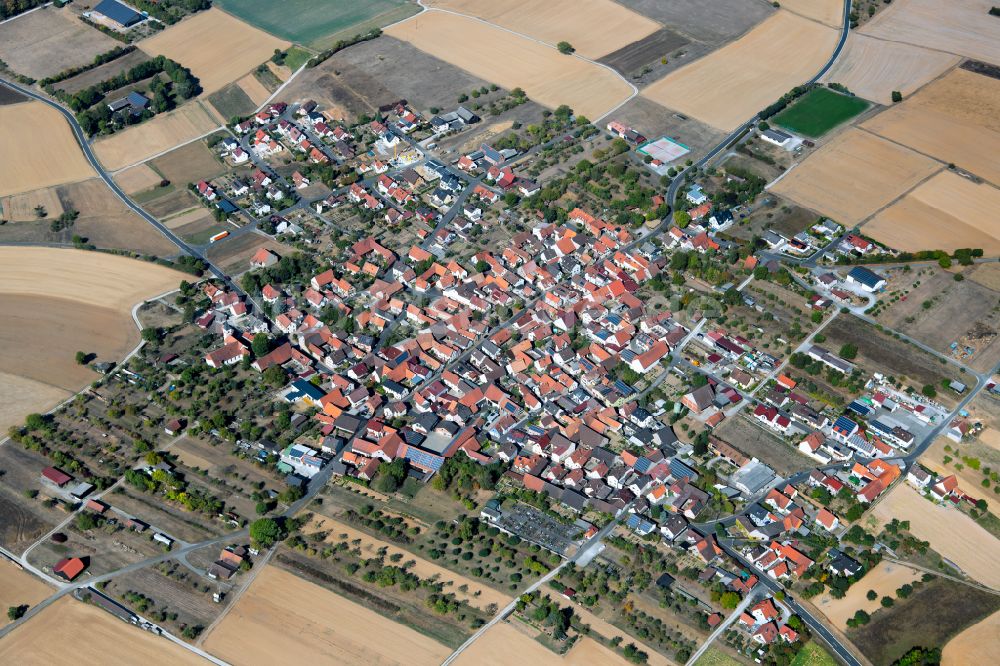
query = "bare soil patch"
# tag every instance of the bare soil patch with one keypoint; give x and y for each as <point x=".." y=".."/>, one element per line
<point x="8" y="96"/>
<point x="873" y="68"/>
<point x="966" y="29"/>
<point x="854" y="175"/>
<point x="987" y="275"/>
<point x="594" y="27"/>
<point x="48" y="41"/>
<point x="47" y="152"/>
<point x="155" y="136"/>
<point x="950" y="532"/>
<point x="548" y="76"/>
<point x="234" y="256"/>
<point x="955" y="119"/>
<point x="631" y="57"/>
<point x="654" y="120"/>
<point x="197" y="214"/>
<point x="18" y="587"/>
<point x="22" y="521"/>
<point x="728" y="86"/>
<point x="713" y="22"/>
<point x="757" y="442"/>
<point x="189" y="164"/>
<point x="87" y="634"/>
<point x="283" y="618"/>
<point x="885" y="579"/>
<point x="979" y="644"/>
<point x="217" y="47"/>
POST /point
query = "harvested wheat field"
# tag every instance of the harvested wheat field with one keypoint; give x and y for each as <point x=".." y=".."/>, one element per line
<point x="964" y="28"/>
<point x="87" y="635"/>
<point x="949" y="531"/>
<point x="595" y="28"/>
<point x="955" y="119"/>
<point x="254" y="89"/>
<point x="549" y="77"/>
<point x="284" y="619"/>
<point x="155" y="136"/>
<point x="730" y="85"/>
<point x="854" y="175"/>
<point x="39" y="149"/>
<point x="987" y="275"/>
<point x="979" y="644"/>
<point x="137" y="178"/>
<point x="506" y="645"/>
<point x="22" y="207"/>
<point x="18" y="587"/>
<point x="47" y="41"/>
<point x="217" y="47"/>
<point x="873" y="68"/>
<point x="945" y="213"/>
<point x="20" y="396"/>
<point x="885" y="579"/>
<point x="829" y="12"/>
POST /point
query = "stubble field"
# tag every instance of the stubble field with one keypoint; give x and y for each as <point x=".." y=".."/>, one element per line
<point x="955" y="119"/>
<point x="727" y="87"/>
<point x="945" y="213"/>
<point x="137" y="179"/>
<point x="18" y="587"/>
<point x="87" y="635"/>
<point x="979" y="644"/>
<point x="548" y="76"/>
<point x="47" y="152"/>
<point x="216" y="47"/>
<point x="873" y="68"/>
<point x="964" y="28"/>
<point x="506" y="645"/>
<point x="594" y="27"/>
<point x="854" y="175"/>
<point x="155" y="136"/>
<point x="951" y="533"/>
<point x="283" y="618"/>
<point x="885" y="579"/>
<point x="48" y="41"/>
<point x="829" y="12"/>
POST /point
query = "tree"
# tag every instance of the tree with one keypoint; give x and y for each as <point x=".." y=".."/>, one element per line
<point x="16" y="612"/>
<point x="887" y="602"/>
<point x="261" y="345"/>
<point x="849" y="351"/>
<point x="897" y="96"/>
<point x="681" y="218"/>
<point x="872" y="595"/>
<point x="85" y="521"/>
<point x="729" y="600"/>
<point x="390" y="476"/>
<point x="81" y="358"/>
<point x="151" y="334"/>
<point x="929" y="390"/>
<point x="275" y="376"/>
<point x="565" y="48"/>
<point x="265" y="532"/>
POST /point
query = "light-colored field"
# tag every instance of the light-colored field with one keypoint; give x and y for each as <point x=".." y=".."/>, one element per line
<point x="964" y="28"/>
<point x="548" y="77"/>
<point x="979" y="644"/>
<point x="830" y="12"/>
<point x="20" y="396"/>
<point x="18" y="587"/>
<point x="987" y="275"/>
<point x="48" y="41"/>
<point x="187" y="217"/>
<point x="990" y="437"/>
<point x="595" y="28"/>
<point x="21" y="207"/>
<point x="956" y="119"/>
<point x="730" y="85"/>
<point x="137" y="179"/>
<point x="854" y="175"/>
<point x="945" y="213"/>
<point x="217" y="47"/>
<point x="284" y="619"/>
<point x="949" y="531"/>
<point x="504" y="645"/>
<point x="885" y="579"/>
<point x="873" y="68"/>
<point x="46" y="151"/>
<point x="155" y="136"/>
<point x="87" y="635"/>
<point x="254" y="89"/>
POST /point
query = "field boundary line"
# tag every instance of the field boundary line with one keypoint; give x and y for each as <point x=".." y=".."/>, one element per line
<point x="281" y="87"/>
<point x="33" y="9"/>
<point x="970" y="583"/>
<point x="220" y="128"/>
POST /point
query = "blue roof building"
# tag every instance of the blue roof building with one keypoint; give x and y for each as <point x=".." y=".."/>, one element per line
<point x="115" y="11"/>
<point x="869" y="280"/>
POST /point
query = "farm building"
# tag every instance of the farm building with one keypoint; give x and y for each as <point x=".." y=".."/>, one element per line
<point x="117" y="14"/>
<point x="777" y="137"/>
<point x="868" y="280"/>
<point x="56" y="476"/>
<point x="69" y="567"/>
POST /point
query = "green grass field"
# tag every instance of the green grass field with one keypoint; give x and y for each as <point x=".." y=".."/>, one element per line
<point x="715" y="657"/>
<point x="231" y="101"/>
<point x="818" y="111"/>
<point x="813" y="654"/>
<point x="318" y="23"/>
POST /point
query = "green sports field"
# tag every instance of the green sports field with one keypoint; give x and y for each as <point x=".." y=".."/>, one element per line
<point x="818" y="111"/>
<point x="318" y="23"/>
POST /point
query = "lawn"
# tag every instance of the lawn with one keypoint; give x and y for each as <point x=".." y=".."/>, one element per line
<point x="314" y="22"/>
<point x="716" y="657"/>
<point x="818" y="111"/>
<point x="813" y="654"/>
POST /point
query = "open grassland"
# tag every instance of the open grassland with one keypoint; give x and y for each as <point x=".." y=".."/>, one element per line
<point x="964" y="28"/>
<point x="854" y="175"/>
<point x="829" y="12"/>
<point x="979" y="644"/>
<point x="955" y="119"/>
<point x="155" y="136"/>
<point x="48" y="41"/>
<point x="819" y="111"/>
<point x="505" y="645"/>
<point x="950" y="532"/>
<point x="18" y="587"/>
<point x="46" y="150"/>
<point x="283" y="619"/>
<point x="873" y="68"/>
<point x="313" y="22"/>
<point x="728" y="86"/>
<point x="87" y="635"/>
<point x="945" y="213"/>
<point x="594" y="27"/>
<point x="216" y="47"/>
<point x="548" y="76"/>
<point x="885" y="579"/>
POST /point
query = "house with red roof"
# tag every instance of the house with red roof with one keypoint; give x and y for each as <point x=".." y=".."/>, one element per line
<point x="69" y="568"/>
